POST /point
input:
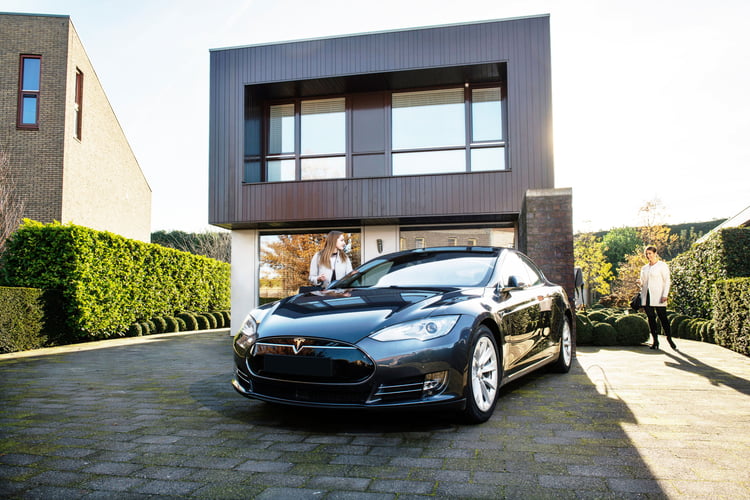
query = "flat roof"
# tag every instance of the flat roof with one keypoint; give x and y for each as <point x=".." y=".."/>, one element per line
<point x="365" y="33"/>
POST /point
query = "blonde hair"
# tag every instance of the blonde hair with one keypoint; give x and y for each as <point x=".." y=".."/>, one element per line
<point x="329" y="248"/>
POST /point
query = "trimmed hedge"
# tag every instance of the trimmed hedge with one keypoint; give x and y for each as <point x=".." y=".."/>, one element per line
<point x="724" y="255"/>
<point x="731" y="314"/>
<point x="21" y="319"/>
<point x="108" y="282"/>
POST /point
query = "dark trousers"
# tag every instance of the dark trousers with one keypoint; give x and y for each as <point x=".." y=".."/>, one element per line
<point x="651" y="313"/>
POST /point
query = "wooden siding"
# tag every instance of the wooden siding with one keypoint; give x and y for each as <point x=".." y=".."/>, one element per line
<point x="522" y="44"/>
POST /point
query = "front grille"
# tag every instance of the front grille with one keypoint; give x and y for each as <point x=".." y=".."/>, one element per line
<point x="302" y="359"/>
<point x="313" y="393"/>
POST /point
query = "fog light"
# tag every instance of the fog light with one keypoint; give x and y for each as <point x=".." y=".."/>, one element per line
<point x="434" y="383"/>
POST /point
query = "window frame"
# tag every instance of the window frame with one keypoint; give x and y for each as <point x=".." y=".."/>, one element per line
<point x="23" y="93"/>
<point x="255" y="169"/>
<point x="298" y="157"/>
<point x="469" y="144"/>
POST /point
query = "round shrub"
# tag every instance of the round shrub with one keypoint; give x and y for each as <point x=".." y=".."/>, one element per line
<point x="145" y="328"/>
<point x="583" y="330"/>
<point x="171" y="324"/>
<point x="181" y="324"/>
<point x="612" y="319"/>
<point x="202" y="322"/>
<point x="152" y="329"/>
<point x="190" y="322"/>
<point x="134" y="330"/>
<point x="219" y="319"/>
<point x="597" y="316"/>
<point x="160" y="324"/>
<point x="227" y="318"/>
<point x="631" y="330"/>
<point x="604" y="334"/>
<point x="211" y="320"/>
<point x="707" y="334"/>
<point x="675" y="322"/>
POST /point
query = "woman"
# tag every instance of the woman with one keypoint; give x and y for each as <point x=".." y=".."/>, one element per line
<point x="655" y="282"/>
<point x="330" y="263"/>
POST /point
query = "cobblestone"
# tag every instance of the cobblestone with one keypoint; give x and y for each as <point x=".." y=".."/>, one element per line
<point x="156" y="417"/>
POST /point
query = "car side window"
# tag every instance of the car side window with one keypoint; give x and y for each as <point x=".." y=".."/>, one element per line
<point x="514" y="272"/>
<point x="534" y="276"/>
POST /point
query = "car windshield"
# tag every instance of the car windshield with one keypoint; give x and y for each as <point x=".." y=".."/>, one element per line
<point x="426" y="269"/>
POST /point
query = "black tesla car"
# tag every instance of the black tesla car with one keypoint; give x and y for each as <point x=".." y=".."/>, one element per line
<point x="443" y="326"/>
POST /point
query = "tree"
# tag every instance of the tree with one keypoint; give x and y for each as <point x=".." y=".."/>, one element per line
<point x="619" y="243"/>
<point x="589" y="256"/>
<point x="11" y="206"/>
<point x="653" y="231"/>
<point x="213" y="244"/>
<point x="625" y="286"/>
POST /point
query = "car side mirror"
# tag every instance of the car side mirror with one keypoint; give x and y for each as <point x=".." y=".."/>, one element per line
<point x="512" y="284"/>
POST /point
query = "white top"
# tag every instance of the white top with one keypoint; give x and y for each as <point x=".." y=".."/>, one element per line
<point x="655" y="280"/>
<point x="317" y="268"/>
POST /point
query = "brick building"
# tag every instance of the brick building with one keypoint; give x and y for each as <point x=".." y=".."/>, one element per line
<point x="408" y="138"/>
<point x="69" y="159"/>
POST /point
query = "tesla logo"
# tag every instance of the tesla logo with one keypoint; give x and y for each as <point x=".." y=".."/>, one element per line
<point x="298" y="344"/>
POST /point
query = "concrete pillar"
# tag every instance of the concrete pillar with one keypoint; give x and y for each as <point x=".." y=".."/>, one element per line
<point x="245" y="269"/>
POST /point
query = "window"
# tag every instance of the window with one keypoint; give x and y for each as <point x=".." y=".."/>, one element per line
<point x="78" y="106"/>
<point x="430" y="133"/>
<point x="306" y="140"/>
<point x="28" y="92"/>
<point x="496" y="235"/>
<point x="420" y="132"/>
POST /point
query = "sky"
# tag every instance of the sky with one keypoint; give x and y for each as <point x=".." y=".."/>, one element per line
<point x="650" y="97"/>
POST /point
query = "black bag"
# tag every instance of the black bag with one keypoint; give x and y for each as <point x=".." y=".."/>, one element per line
<point x="635" y="304"/>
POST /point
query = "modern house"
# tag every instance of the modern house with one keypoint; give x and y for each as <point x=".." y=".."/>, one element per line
<point x="420" y="137"/>
<point x="68" y="156"/>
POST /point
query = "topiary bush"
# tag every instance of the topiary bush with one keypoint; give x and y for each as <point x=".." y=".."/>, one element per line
<point x="583" y="330"/>
<point x="219" y="319"/>
<point x="604" y="334"/>
<point x="631" y="329"/>
<point x="134" y="330"/>
<point x="202" y="322"/>
<point x="172" y="325"/>
<point x="160" y="324"/>
<point x="597" y="316"/>
<point x="189" y="320"/>
<point x="731" y="314"/>
<point x="21" y="319"/>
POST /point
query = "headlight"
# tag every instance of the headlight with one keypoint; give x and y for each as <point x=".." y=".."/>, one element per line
<point x="423" y="329"/>
<point x="247" y="335"/>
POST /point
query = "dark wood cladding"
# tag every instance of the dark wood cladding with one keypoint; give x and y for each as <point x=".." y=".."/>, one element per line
<point x="314" y="66"/>
<point x="392" y="198"/>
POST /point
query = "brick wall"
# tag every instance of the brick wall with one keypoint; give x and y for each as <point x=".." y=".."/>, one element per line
<point x="95" y="182"/>
<point x="546" y="233"/>
<point x="35" y="156"/>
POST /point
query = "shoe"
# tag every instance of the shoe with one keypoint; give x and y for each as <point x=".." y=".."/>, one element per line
<point x="672" y="345"/>
<point x="654" y="346"/>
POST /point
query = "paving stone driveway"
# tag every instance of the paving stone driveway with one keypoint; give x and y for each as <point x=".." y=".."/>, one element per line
<point x="157" y="418"/>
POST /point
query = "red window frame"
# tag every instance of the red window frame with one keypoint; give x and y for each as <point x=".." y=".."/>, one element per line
<point x="26" y="93"/>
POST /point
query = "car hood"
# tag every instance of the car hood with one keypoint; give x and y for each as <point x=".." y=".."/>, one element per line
<point x="351" y="314"/>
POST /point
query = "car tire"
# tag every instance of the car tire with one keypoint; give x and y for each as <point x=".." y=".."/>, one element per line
<point x="565" y="357"/>
<point x="484" y="377"/>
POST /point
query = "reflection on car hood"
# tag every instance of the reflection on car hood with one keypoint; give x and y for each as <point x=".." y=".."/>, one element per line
<point x="349" y="314"/>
